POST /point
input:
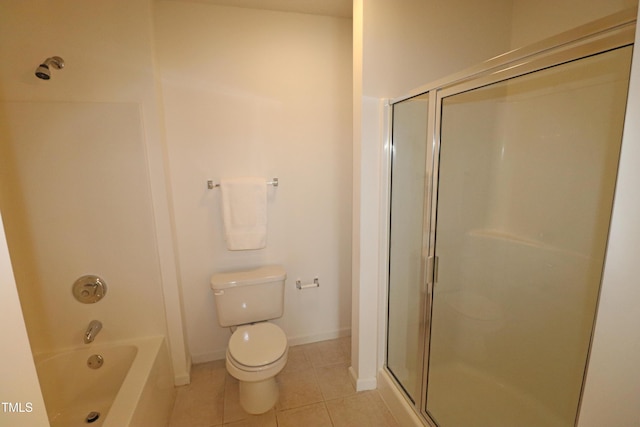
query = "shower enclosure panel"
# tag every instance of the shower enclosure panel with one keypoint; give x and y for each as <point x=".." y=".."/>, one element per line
<point x="408" y="240"/>
<point x="501" y="190"/>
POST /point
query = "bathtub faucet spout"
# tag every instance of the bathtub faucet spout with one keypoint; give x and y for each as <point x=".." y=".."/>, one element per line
<point x="92" y="331"/>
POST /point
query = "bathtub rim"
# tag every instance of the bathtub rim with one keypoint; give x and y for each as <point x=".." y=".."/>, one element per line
<point x="134" y="384"/>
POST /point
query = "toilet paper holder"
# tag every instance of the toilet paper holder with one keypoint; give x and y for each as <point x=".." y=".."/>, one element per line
<point x="315" y="284"/>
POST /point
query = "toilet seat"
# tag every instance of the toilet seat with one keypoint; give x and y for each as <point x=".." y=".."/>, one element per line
<point x="253" y="347"/>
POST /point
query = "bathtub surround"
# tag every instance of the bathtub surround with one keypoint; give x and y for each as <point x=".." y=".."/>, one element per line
<point x="79" y="231"/>
<point x="94" y="157"/>
<point x="97" y="220"/>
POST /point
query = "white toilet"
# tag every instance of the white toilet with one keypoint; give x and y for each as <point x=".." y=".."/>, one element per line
<point x="257" y="349"/>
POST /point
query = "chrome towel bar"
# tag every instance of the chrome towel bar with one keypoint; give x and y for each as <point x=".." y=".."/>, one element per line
<point x="211" y="185"/>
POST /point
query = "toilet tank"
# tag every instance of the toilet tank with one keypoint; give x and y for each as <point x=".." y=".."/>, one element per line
<point x="249" y="296"/>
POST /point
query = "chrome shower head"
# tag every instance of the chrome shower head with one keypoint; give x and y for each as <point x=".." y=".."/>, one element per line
<point x="43" y="72"/>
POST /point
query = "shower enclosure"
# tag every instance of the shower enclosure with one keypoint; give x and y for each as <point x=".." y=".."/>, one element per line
<point x="501" y="189"/>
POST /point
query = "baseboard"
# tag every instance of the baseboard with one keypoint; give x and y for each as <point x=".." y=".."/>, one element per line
<point x="184" y="377"/>
<point x="208" y="357"/>
<point x="308" y="339"/>
<point x="362" y="384"/>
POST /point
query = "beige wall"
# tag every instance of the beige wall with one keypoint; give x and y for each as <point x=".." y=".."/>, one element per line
<point x="260" y="93"/>
<point x="535" y="20"/>
<point x="403" y="38"/>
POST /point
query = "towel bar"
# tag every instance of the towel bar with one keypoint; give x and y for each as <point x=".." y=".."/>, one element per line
<point x="211" y="185"/>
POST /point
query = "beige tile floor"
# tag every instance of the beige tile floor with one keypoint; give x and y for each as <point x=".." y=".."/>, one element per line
<point x="315" y="391"/>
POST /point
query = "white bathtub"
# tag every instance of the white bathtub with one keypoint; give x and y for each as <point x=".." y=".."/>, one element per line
<point x="132" y="388"/>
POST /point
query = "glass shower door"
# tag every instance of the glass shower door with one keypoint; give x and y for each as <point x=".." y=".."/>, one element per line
<point x="405" y="323"/>
<point x="526" y="175"/>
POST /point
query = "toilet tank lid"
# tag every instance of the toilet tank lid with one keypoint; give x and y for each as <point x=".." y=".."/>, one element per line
<point x="268" y="273"/>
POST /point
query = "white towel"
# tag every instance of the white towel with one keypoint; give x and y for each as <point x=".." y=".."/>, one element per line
<point x="244" y="211"/>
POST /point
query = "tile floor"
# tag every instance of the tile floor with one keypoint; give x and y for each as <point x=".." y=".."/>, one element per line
<point x="315" y="391"/>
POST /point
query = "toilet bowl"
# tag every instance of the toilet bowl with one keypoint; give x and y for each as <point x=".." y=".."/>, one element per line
<point x="257" y="350"/>
<point x="255" y="355"/>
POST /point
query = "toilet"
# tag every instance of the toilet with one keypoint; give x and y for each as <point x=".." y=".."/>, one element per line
<point x="257" y="351"/>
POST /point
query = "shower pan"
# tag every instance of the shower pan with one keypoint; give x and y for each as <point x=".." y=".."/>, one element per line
<point x="501" y="187"/>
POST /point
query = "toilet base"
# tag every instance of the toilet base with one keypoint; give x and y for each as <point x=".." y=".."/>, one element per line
<point x="260" y="396"/>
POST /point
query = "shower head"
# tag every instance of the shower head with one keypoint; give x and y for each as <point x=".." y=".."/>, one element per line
<point x="43" y="72"/>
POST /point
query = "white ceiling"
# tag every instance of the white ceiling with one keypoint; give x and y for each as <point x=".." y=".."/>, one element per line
<point x="340" y="8"/>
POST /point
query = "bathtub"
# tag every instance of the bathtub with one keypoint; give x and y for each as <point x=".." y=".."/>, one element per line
<point x="133" y="387"/>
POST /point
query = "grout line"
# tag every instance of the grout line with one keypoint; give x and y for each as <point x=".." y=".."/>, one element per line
<point x="224" y="392"/>
<point x="328" y="413"/>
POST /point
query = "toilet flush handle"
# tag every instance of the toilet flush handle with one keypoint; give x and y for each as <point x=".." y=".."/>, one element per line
<point x="218" y="293"/>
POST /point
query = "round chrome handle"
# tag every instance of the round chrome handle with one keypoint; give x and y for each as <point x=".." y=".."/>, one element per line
<point x="89" y="289"/>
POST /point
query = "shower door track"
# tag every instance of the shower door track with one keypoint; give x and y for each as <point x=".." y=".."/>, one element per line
<point x="605" y="34"/>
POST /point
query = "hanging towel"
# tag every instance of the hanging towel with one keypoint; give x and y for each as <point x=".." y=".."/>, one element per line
<point x="244" y="212"/>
